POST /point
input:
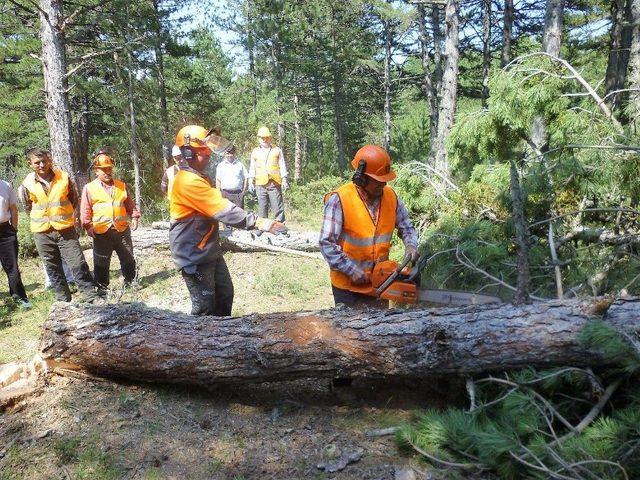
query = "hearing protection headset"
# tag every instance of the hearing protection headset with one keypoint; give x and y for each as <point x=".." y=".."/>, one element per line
<point x="187" y="151"/>
<point x="359" y="178"/>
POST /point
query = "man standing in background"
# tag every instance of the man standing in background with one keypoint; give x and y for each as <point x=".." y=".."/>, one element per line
<point x="232" y="177"/>
<point x="170" y="173"/>
<point x="9" y="243"/>
<point x="107" y="210"/>
<point x="268" y="173"/>
<point x="50" y="198"/>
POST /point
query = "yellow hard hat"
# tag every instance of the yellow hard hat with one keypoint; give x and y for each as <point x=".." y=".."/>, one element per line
<point x="102" y="160"/>
<point x="264" y="132"/>
<point x="199" y="138"/>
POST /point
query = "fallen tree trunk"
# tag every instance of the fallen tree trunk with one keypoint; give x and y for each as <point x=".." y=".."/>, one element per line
<point x="140" y="343"/>
<point x="233" y="240"/>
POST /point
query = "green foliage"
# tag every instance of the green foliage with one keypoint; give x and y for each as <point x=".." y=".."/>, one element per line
<point x="614" y="347"/>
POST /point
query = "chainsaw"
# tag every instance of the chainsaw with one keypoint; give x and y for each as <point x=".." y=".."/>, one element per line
<point x="399" y="283"/>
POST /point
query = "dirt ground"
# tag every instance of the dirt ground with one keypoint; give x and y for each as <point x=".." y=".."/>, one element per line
<point x="83" y="428"/>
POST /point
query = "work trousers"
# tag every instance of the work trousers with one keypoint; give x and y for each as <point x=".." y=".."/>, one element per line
<point x="210" y="288"/>
<point x="234" y="196"/>
<point x="270" y="195"/>
<point x="104" y="244"/>
<point x="357" y="300"/>
<point x="54" y="246"/>
<point x="9" y="260"/>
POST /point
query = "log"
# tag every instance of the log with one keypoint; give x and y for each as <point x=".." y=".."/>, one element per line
<point x="143" y="344"/>
<point x="233" y="240"/>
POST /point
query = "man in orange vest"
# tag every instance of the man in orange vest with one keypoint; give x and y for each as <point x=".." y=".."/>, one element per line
<point x="196" y="208"/>
<point x="359" y="220"/>
<point x="107" y="210"/>
<point x="268" y="176"/>
<point x="50" y="198"/>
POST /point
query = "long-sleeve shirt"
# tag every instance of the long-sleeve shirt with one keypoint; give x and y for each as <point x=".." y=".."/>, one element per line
<point x="332" y="228"/>
<point x="281" y="163"/>
<point x="23" y="193"/>
<point x="86" y="205"/>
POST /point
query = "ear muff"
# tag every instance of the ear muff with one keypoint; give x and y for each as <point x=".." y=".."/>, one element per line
<point x="359" y="178"/>
<point x="187" y="153"/>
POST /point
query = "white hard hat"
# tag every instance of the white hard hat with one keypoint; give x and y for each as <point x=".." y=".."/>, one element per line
<point x="175" y="151"/>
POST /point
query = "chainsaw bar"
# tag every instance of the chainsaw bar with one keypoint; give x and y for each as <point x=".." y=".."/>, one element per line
<point x="453" y="297"/>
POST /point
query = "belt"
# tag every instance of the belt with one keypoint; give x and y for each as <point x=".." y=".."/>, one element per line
<point x="232" y="191"/>
<point x="4" y="224"/>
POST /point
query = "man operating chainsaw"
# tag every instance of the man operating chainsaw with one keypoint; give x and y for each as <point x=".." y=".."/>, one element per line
<point x="359" y="220"/>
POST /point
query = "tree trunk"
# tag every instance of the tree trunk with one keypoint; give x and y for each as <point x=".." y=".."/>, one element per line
<point x="388" y="39"/>
<point x="633" y="79"/>
<point x="551" y="45"/>
<point x="337" y="111"/>
<point x="297" y="155"/>
<point x="428" y="81"/>
<point x="135" y="153"/>
<point x="448" y="95"/>
<point x="277" y="67"/>
<point x="522" y="237"/>
<point x="507" y="32"/>
<point x="619" y="46"/>
<point x="162" y="91"/>
<point x="150" y="345"/>
<point x="54" y="67"/>
<point x="437" y="49"/>
<point x="486" y="49"/>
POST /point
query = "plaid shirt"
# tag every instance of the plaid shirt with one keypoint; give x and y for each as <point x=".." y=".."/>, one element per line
<point x="332" y="227"/>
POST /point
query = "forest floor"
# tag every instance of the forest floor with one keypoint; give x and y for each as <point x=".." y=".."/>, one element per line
<point x="95" y="429"/>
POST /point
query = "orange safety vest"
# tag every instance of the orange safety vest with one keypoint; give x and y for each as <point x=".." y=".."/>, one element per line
<point x="361" y="240"/>
<point x="53" y="209"/>
<point x="108" y="210"/>
<point x="267" y="165"/>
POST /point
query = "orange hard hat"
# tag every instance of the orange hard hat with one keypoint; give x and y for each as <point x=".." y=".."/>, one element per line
<point x="102" y="160"/>
<point x="199" y="138"/>
<point x="377" y="163"/>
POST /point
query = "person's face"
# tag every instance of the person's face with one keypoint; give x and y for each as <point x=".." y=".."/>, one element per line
<point x="105" y="175"/>
<point x="177" y="159"/>
<point x="374" y="188"/>
<point x="265" y="140"/>
<point x="201" y="160"/>
<point x="41" y="165"/>
<point x="230" y="157"/>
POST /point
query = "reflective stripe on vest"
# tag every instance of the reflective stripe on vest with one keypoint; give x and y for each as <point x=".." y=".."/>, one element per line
<point x="364" y="242"/>
<point x="108" y="210"/>
<point x="267" y="165"/>
<point x="53" y="209"/>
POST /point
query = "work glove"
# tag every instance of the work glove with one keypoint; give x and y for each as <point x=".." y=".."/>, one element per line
<point x="411" y="253"/>
<point x="360" y="277"/>
<point x="271" y="226"/>
<point x="134" y="224"/>
<point x="285" y="184"/>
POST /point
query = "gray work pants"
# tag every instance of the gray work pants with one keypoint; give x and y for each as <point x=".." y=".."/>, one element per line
<point x="210" y="288"/>
<point x="53" y="247"/>
<point x="270" y="195"/>
<point x="104" y="244"/>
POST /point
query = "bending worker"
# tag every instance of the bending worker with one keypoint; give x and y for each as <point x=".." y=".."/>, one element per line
<point x="107" y="210"/>
<point x="268" y="175"/>
<point x="196" y="209"/>
<point x="359" y="220"/>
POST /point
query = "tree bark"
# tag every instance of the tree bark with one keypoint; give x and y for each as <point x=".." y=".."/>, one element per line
<point x="437" y="49"/>
<point x="486" y="49"/>
<point x="150" y="345"/>
<point x="388" y="39"/>
<point x="619" y="45"/>
<point x="550" y="44"/>
<point x="633" y="78"/>
<point x="297" y="154"/>
<point x="135" y="153"/>
<point x="507" y="32"/>
<point x="162" y="91"/>
<point x="54" y="67"/>
<point x="522" y="237"/>
<point x="448" y="91"/>
<point x="428" y="82"/>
